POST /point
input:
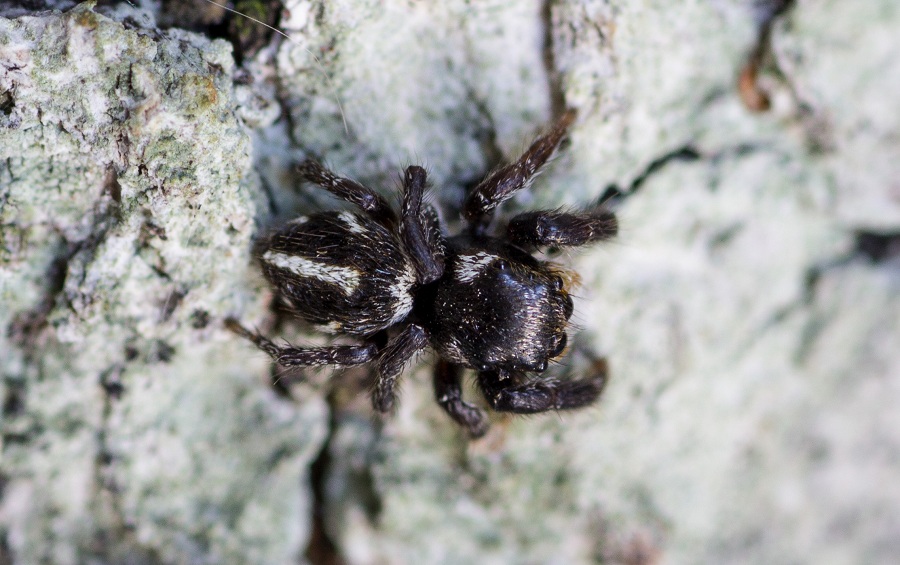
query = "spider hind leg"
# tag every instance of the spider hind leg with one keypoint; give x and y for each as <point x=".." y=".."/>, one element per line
<point x="289" y="356"/>
<point x="349" y="190"/>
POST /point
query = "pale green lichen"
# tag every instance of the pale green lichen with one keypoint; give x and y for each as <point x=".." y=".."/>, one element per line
<point x="701" y="305"/>
<point x="753" y="368"/>
<point x="131" y="427"/>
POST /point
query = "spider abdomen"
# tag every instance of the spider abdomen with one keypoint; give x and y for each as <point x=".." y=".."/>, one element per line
<point x="342" y="271"/>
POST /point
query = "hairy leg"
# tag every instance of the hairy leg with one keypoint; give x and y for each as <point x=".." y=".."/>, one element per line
<point x="417" y="228"/>
<point x="348" y="190"/>
<point x="448" y="393"/>
<point x="506" y="181"/>
<point x="289" y="356"/>
<point x="391" y="361"/>
<point x="506" y="392"/>
<point x="559" y="229"/>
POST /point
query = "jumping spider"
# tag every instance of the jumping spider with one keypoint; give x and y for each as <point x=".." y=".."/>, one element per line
<point x="482" y="302"/>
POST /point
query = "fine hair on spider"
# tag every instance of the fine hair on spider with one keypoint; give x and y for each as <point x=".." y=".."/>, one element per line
<point x="396" y="283"/>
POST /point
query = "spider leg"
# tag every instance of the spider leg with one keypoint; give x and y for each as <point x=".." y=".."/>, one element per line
<point x="398" y="351"/>
<point x="559" y="229"/>
<point x="289" y="356"/>
<point x="506" y="392"/>
<point x="348" y="190"/>
<point x="433" y="232"/>
<point x="506" y="181"/>
<point x="418" y="229"/>
<point x="448" y="393"/>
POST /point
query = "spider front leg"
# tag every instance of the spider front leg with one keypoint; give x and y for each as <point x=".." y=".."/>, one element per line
<point x="448" y="393"/>
<point x="505" y="392"/>
<point x="393" y="358"/>
<point x="349" y="190"/>
<point x="506" y="181"/>
<point x="289" y="356"/>
<point x="551" y="228"/>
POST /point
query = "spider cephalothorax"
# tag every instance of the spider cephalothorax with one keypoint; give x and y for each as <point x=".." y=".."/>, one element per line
<point x="482" y="302"/>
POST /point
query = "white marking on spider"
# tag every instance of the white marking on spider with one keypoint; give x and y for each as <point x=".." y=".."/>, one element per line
<point x="452" y="350"/>
<point x="332" y="327"/>
<point x="403" y="300"/>
<point x="352" y="222"/>
<point x="470" y="266"/>
<point x="346" y="278"/>
<point x="300" y="220"/>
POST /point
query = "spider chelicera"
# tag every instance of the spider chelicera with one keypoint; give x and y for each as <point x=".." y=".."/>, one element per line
<point x="481" y="301"/>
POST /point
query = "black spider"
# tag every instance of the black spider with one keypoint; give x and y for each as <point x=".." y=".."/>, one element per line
<point x="480" y="301"/>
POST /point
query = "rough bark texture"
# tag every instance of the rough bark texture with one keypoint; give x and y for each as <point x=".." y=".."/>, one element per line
<point x="750" y="308"/>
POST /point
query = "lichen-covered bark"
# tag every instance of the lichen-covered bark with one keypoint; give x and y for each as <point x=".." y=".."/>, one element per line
<point x="749" y="308"/>
<point x="131" y="424"/>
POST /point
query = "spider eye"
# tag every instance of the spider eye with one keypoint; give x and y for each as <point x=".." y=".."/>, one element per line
<point x="560" y="346"/>
<point x="558" y="284"/>
<point x="568" y="306"/>
<point x="501" y="265"/>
